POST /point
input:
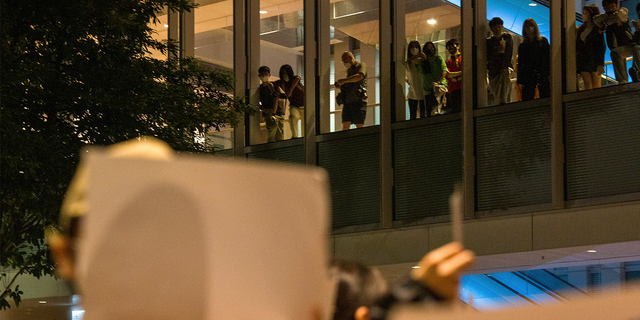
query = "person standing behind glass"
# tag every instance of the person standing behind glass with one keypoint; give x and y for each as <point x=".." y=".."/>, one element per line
<point x="533" y="62"/>
<point x="354" y="90"/>
<point x="454" y="76"/>
<point x="414" y="79"/>
<point x="271" y="110"/>
<point x="634" y="72"/>
<point x="499" y="56"/>
<point x="294" y="92"/>
<point x="615" y="22"/>
<point x="433" y="71"/>
<point x="590" y="49"/>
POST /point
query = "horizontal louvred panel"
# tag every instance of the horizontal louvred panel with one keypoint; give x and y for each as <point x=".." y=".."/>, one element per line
<point x="427" y="162"/>
<point x="354" y="170"/>
<point x="603" y="146"/>
<point x="293" y="154"/>
<point x="513" y="159"/>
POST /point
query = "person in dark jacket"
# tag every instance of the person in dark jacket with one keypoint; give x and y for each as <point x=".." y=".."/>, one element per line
<point x="590" y="49"/>
<point x="533" y="62"/>
<point x="615" y="22"/>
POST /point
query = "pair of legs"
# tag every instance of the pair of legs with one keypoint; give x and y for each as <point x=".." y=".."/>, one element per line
<point x="413" y="109"/>
<point x="430" y="103"/>
<point x="295" y="114"/>
<point x="619" y="60"/>
<point x="355" y="112"/>
<point x="529" y="92"/>
<point x="275" y="127"/>
<point x="591" y="80"/>
<point x="500" y="87"/>
<point x="454" y="103"/>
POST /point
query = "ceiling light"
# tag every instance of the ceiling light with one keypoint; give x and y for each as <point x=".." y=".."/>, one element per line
<point x="262" y="11"/>
<point x="166" y="26"/>
<point x="431" y="21"/>
<point x="591" y="251"/>
<point x="532" y="4"/>
<point x="415" y="267"/>
<point x="42" y="301"/>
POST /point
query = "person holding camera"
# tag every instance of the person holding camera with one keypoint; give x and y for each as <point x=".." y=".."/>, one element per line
<point x="353" y="92"/>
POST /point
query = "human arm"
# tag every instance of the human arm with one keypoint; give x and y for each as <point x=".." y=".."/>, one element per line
<point x="353" y="78"/>
<point x="442" y="71"/>
<point x="294" y="83"/>
<point x="508" y="51"/>
<point x="600" y="49"/>
<point x="619" y="16"/>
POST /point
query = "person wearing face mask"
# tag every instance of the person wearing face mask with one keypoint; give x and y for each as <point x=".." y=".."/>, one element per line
<point x="615" y="22"/>
<point x="294" y="93"/>
<point x="354" y="90"/>
<point x="533" y="62"/>
<point x="499" y="56"/>
<point x="590" y="49"/>
<point x="414" y="79"/>
<point x="454" y="76"/>
<point x="434" y="85"/>
<point x="272" y="110"/>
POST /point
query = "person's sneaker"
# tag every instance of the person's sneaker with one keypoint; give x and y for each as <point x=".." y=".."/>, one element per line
<point x="633" y="72"/>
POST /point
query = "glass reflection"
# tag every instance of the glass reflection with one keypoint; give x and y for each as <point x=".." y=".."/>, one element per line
<point x="214" y="47"/>
<point x="355" y="29"/>
<point x="282" y="52"/>
<point x="432" y="72"/>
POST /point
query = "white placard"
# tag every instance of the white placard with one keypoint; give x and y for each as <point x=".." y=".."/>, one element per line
<point x="203" y="238"/>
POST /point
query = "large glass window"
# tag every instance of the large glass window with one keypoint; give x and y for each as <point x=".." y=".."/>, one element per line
<point x="214" y="47"/>
<point x="518" y="51"/>
<point x="281" y="91"/>
<point x="354" y="65"/>
<point x="160" y="33"/>
<point x="432" y="55"/>
<point x="606" y="43"/>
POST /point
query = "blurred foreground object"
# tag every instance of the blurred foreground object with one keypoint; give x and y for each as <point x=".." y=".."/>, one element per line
<point x="194" y="237"/>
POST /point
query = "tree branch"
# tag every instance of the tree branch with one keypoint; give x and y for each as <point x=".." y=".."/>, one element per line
<point x="7" y="289"/>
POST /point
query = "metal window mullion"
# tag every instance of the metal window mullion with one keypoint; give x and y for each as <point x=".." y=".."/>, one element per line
<point x="187" y="33"/>
<point x="323" y="75"/>
<point x="557" y="145"/>
<point x="569" y="27"/>
<point x="310" y="71"/>
<point x="473" y="19"/>
<point x="386" y="151"/>
<point x="240" y="69"/>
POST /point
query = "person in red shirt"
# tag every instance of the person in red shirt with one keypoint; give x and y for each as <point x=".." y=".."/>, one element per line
<point x="454" y="76"/>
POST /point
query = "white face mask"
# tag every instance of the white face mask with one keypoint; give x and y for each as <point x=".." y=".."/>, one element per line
<point x="264" y="78"/>
<point x="347" y="65"/>
<point x="285" y="78"/>
<point x="415" y="51"/>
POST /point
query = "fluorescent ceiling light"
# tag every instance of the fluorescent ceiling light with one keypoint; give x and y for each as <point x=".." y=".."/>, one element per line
<point x="591" y="251"/>
<point x="166" y="26"/>
<point x="532" y="4"/>
<point x="431" y="21"/>
<point x="262" y="11"/>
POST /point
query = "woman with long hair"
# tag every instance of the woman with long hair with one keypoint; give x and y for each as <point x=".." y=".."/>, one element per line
<point x="533" y="62"/>
<point x="414" y="79"/>
<point x="590" y="49"/>
<point x="294" y="92"/>
<point x="433" y="71"/>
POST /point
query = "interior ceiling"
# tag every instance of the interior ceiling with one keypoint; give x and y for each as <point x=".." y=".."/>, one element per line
<point x="357" y="19"/>
<point x="540" y="259"/>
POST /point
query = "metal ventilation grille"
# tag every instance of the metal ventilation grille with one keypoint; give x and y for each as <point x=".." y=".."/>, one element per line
<point x="603" y="146"/>
<point x="513" y="159"/>
<point x="293" y="154"/>
<point x="354" y="171"/>
<point x="427" y="162"/>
